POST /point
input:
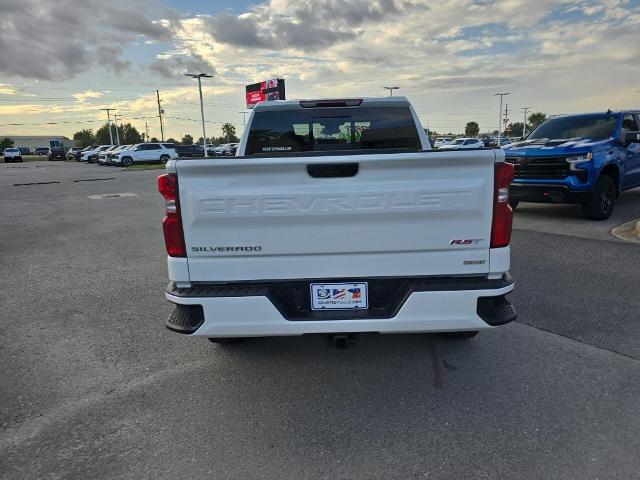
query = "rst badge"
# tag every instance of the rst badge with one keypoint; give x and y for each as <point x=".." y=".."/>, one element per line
<point x="466" y="241"/>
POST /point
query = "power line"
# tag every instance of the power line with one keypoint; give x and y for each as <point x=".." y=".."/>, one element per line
<point x="65" y="123"/>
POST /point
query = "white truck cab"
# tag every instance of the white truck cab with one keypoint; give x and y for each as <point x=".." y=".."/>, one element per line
<point x="337" y="217"/>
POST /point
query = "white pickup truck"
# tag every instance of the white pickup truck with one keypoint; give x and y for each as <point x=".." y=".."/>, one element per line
<point x="336" y="217"/>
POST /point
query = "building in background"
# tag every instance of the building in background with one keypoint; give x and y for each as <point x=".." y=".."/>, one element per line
<point x="36" y="141"/>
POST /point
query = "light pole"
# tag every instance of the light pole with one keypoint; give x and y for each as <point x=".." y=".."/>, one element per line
<point x="501" y="95"/>
<point x="199" y="76"/>
<point x="391" y="89"/>
<point x="244" y="118"/>
<point x="115" y="122"/>
<point x="109" y="122"/>
<point x="524" y="128"/>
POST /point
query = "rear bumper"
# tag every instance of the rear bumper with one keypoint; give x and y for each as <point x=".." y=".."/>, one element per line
<point x="411" y="305"/>
<point x="551" y="193"/>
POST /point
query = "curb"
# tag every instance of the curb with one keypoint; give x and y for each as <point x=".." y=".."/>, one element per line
<point x="629" y="231"/>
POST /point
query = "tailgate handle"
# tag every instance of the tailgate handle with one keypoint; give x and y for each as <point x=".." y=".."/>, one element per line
<point x="332" y="170"/>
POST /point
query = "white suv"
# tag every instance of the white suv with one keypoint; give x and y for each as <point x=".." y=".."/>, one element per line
<point x="462" y="144"/>
<point x="147" y="152"/>
<point x="12" y="155"/>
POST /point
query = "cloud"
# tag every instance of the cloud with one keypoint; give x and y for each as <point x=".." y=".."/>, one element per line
<point x="302" y="25"/>
<point x="71" y="36"/>
<point x="83" y="96"/>
<point x="6" y="89"/>
<point x="175" y="65"/>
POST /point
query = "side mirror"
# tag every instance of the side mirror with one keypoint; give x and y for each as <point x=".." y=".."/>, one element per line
<point x="632" y="137"/>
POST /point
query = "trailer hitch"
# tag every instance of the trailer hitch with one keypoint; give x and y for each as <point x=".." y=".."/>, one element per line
<point x="341" y="341"/>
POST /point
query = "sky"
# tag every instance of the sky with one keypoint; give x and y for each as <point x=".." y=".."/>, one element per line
<point x="62" y="62"/>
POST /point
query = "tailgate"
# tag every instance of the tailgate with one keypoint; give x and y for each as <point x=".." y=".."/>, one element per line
<point x="403" y="214"/>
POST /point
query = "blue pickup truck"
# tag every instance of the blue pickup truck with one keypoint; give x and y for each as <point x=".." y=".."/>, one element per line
<point x="587" y="159"/>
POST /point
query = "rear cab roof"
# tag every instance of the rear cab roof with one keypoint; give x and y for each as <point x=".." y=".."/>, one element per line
<point x="351" y="102"/>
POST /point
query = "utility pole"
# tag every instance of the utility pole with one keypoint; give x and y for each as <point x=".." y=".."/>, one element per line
<point x="524" y="127"/>
<point x="199" y="76"/>
<point x="244" y="118"/>
<point x="146" y="131"/>
<point x="109" y="122"/>
<point x="501" y="95"/>
<point x="115" y="122"/>
<point x="391" y="89"/>
<point x="160" y="112"/>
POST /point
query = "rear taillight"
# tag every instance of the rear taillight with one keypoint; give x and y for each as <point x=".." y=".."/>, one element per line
<point x="502" y="213"/>
<point x="172" y="223"/>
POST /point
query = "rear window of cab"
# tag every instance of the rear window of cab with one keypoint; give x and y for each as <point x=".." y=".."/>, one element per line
<point x="332" y="129"/>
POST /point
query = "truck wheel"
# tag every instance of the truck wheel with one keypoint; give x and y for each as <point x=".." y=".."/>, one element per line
<point x="514" y="204"/>
<point x="164" y="158"/>
<point x="226" y="341"/>
<point x="127" y="161"/>
<point x="600" y="203"/>
<point x="460" y="335"/>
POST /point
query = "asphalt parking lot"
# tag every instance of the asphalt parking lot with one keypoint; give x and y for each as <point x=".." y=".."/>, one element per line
<point x="92" y="385"/>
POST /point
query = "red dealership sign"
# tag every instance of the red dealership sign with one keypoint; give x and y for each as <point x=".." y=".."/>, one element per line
<point x="264" y="91"/>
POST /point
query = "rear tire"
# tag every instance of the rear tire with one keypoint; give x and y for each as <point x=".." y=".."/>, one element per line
<point x="600" y="203"/>
<point x="514" y="204"/>
<point x="226" y="341"/>
<point x="460" y="335"/>
<point x="127" y="161"/>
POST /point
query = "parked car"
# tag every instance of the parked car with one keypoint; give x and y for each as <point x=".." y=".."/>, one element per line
<point x="12" y="154"/>
<point x="91" y="155"/>
<point x="440" y="141"/>
<point x="56" y="152"/>
<point x="492" y="142"/>
<point x="41" y="151"/>
<point x="85" y="149"/>
<point x="189" y="151"/>
<point x="25" y="150"/>
<point x="589" y="159"/>
<point x="72" y="153"/>
<point x="225" y="149"/>
<point x="463" y="144"/>
<point x="147" y="152"/>
<point x="230" y="149"/>
<point x="350" y="265"/>
<point x="109" y="157"/>
<point x="102" y="155"/>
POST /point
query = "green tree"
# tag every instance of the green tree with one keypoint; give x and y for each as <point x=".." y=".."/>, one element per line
<point x="83" y="138"/>
<point x="102" y="135"/>
<point x="129" y="134"/>
<point x="6" y="143"/>
<point x="229" y="133"/>
<point x="187" y="140"/>
<point x="171" y="140"/>
<point x="535" y="119"/>
<point x="471" y="129"/>
<point x="517" y="129"/>
<point x="153" y="140"/>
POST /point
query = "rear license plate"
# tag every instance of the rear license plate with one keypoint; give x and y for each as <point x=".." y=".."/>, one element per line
<point x="339" y="296"/>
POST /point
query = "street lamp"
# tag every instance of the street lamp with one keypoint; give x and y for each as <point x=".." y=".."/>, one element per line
<point x="115" y="122"/>
<point x="391" y="89"/>
<point x="199" y="76"/>
<point x="524" y="125"/>
<point x="108" y="110"/>
<point x="501" y="95"/>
